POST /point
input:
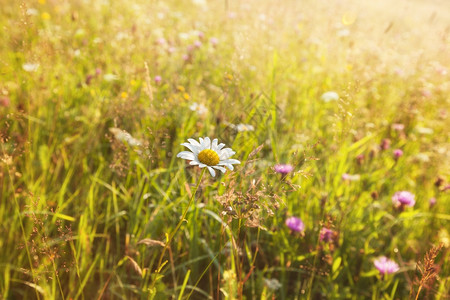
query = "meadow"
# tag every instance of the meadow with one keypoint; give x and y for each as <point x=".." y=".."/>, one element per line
<point x="331" y="165"/>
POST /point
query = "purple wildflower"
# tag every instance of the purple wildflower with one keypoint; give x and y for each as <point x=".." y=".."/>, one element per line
<point x="403" y="198"/>
<point x="398" y="126"/>
<point x="197" y="44"/>
<point x="214" y="41"/>
<point x="295" y="224"/>
<point x="161" y="41"/>
<point x="283" y="169"/>
<point x="171" y="50"/>
<point x="326" y="235"/>
<point x="398" y="153"/>
<point x="385" y="265"/>
<point x="350" y="177"/>
<point x="158" y="79"/>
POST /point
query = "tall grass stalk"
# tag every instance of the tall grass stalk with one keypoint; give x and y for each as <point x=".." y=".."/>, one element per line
<point x="174" y="232"/>
<point x="24" y="236"/>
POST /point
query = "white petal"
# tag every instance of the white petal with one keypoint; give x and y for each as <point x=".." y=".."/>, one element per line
<point x="193" y="148"/>
<point x="208" y="143"/>
<point x="214" y="145"/>
<point x="211" y="170"/>
<point x="220" y="146"/>
<point x="194" y="163"/>
<point x="228" y="150"/>
<point x="194" y="142"/>
<point x="186" y="155"/>
<point x="202" y="165"/>
<point x="231" y="161"/>
<point x="220" y="168"/>
<point x="229" y="166"/>
<point x="226" y="153"/>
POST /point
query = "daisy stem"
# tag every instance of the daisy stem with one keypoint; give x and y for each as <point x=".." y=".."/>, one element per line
<point x="171" y="236"/>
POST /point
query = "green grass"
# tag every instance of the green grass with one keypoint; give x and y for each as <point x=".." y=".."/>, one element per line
<point x="86" y="215"/>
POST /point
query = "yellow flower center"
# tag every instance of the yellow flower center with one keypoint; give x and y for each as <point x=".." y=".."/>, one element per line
<point x="208" y="157"/>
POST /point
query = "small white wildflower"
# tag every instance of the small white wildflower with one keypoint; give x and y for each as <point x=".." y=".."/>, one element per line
<point x="272" y="284"/>
<point x="30" y="67"/>
<point x="199" y="108"/>
<point x="125" y="137"/>
<point x="423" y="157"/>
<point x="80" y="33"/>
<point x="244" y="127"/>
<point x="351" y="177"/>
<point x="330" y="96"/>
<point x="343" y="32"/>
<point x="424" y="130"/>
<point x="184" y="35"/>
<point x="32" y="12"/>
<point x="110" y="77"/>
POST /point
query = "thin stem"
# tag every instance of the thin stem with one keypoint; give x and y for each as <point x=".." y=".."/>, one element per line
<point x="57" y="279"/>
<point x="171" y="236"/>
<point x="313" y="269"/>
<point x="22" y="227"/>
<point x="418" y="292"/>
<point x="74" y="253"/>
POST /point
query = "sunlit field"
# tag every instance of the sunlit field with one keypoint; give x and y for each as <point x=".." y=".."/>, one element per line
<point x="208" y="149"/>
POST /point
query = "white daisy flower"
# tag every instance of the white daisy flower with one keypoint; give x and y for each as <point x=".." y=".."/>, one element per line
<point x="209" y="154"/>
<point x="30" y="67"/>
<point x="329" y="96"/>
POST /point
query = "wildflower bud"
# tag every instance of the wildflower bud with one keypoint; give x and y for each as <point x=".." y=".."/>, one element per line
<point x="385" y="144"/>
<point x="373" y="152"/>
<point x="397" y="153"/>
<point x="432" y="202"/>
<point x="360" y="159"/>
<point x="158" y="79"/>
<point x="374" y="195"/>
<point x="4" y="101"/>
<point x="88" y="79"/>
<point x="74" y="16"/>
<point x="439" y="181"/>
